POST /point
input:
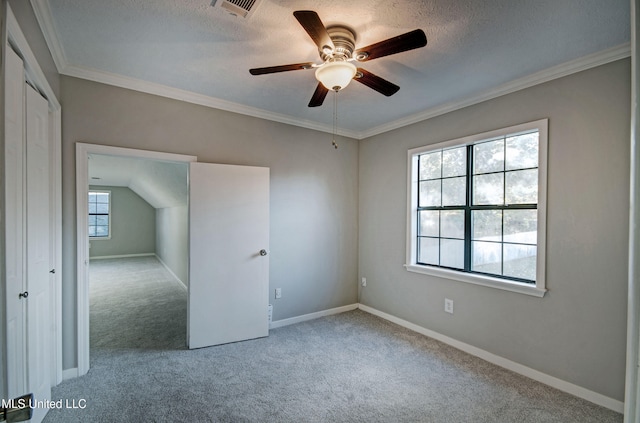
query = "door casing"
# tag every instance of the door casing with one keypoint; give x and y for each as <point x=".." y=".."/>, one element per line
<point x="83" y="150"/>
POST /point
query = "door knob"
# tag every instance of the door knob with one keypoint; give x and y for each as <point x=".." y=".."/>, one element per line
<point x="24" y="294"/>
<point x="263" y="252"/>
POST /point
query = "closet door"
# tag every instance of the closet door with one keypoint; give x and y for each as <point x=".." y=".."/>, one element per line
<point x="14" y="224"/>
<point x="37" y="259"/>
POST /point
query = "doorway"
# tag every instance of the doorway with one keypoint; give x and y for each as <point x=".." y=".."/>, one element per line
<point x="228" y="247"/>
<point x="138" y="256"/>
<point x="158" y="169"/>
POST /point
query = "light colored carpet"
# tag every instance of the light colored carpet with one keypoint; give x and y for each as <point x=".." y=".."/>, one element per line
<point x="352" y="367"/>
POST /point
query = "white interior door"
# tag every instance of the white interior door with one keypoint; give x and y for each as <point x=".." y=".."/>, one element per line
<point x="228" y="275"/>
<point x="37" y="260"/>
<point x="14" y="224"/>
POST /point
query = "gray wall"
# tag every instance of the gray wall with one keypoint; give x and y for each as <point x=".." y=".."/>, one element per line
<point x="577" y="331"/>
<point x="133" y="225"/>
<point x="172" y="240"/>
<point x="314" y="188"/>
<point x="31" y="29"/>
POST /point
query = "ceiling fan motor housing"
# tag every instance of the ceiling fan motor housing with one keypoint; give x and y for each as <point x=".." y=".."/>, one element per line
<point x="344" y="40"/>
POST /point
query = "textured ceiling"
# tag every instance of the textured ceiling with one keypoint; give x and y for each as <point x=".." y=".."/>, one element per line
<point x="474" y="47"/>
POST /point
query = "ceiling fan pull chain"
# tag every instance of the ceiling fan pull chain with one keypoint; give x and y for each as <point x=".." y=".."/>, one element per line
<point x="335" y="118"/>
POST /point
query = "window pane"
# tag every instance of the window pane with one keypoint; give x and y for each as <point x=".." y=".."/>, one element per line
<point x="102" y="231"/>
<point x="488" y="157"/>
<point x="92" y="220"/>
<point x="102" y="208"/>
<point x="452" y="224"/>
<point x="429" y="223"/>
<point x="521" y="226"/>
<point x="430" y="195"/>
<point x="520" y="261"/>
<point x="488" y="189"/>
<point x="92" y="197"/>
<point x="102" y="197"/>
<point x="522" y="187"/>
<point x="486" y="257"/>
<point x="102" y="220"/>
<point x="428" y="250"/>
<point x="92" y="207"/>
<point x="454" y="192"/>
<point x="487" y="225"/>
<point x="92" y="231"/>
<point x="452" y="253"/>
<point x="522" y="151"/>
<point x="430" y="165"/>
<point x="454" y="162"/>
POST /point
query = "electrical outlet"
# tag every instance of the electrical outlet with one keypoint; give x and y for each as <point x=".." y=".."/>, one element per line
<point x="448" y="305"/>
<point x="364" y="282"/>
<point x="278" y="293"/>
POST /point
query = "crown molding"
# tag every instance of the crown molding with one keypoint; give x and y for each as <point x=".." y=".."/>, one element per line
<point x="195" y="98"/>
<point x="587" y="62"/>
<point x="47" y="24"/>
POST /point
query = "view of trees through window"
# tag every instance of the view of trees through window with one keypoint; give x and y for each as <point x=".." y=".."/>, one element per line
<point x="477" y="207"/>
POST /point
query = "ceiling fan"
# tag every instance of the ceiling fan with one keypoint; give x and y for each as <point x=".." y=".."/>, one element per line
<point x="336" y="45"/>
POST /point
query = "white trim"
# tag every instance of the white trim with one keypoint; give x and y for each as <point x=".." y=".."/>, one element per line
<point x="135" y="153"/>
<point x="476" y="279"/>
<point x="196" y="98"/>
<point x="564" y="69"/>
<point x="632" y="382"/>
<point x="552" y="381"/>
<point x="411" y="265"/>
<point x="44" y="17"/>
<point x="70" y="373"/>
<point x="83" y="150"/>
<point x="122" y="256"/>
<point x="17" y="39"/>
<point x="312" y="316"/>
<point x="182" y="284"/>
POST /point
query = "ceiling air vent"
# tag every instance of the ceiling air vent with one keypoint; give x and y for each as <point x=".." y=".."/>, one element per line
<point x="238" y="8"/>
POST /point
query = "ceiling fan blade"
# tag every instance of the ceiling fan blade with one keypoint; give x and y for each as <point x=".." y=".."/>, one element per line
<point x="318" y="96"/>
<point x="282" y="68"/>
<point x="375" y="82"/>
<point x="311" y="23"/>
<point x="404" y="42"/>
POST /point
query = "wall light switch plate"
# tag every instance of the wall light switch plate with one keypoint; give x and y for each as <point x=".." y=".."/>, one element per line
<point x="278" y="293"/>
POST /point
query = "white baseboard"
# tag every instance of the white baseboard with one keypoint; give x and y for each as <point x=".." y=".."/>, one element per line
<point x="122" y="256"/>
<point x="70" y="373"/>
<point x="552" y="381"/>
<point x="182" y="284"/>
<point x="311" y="316"/>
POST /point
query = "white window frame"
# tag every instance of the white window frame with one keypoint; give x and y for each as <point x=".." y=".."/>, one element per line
<point x="99" y="238"/>
<point x="411" y="264"/>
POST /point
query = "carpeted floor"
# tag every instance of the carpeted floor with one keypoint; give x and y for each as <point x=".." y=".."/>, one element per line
<point x="352" y="367"/>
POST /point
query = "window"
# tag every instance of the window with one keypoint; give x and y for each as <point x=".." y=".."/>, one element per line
<point x="477" y="209"/>
<point x="99" y="214"/>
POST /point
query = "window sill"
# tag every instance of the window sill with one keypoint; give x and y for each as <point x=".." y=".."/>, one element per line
<point x="478" y="280"/>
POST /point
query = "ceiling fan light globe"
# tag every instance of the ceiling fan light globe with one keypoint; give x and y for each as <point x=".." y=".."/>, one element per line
<point x="335" y="75"/>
